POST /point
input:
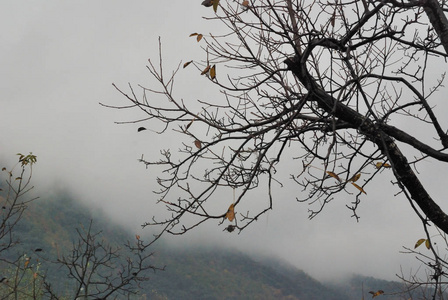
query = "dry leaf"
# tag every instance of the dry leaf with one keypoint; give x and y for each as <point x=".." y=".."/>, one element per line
<point x="197" y="143"/>
<point x="359" y="188"/>
<point x="334" y="176"/>
<point x="230" y="215"/>
<point x="245" y="3"/>
<point x="141" y="129"/>
<point x="381" y="164"/>
<point x="193" y="34"/>
<point x="419" y="242"/>
<point x="230" y="228"/>
<point x="333" y="18"/>
<point x="199" y="37"/>
<point x="205" y="70"/>
<point x="187" y="63"/>
<point x="189" y="124"/>
<point x="215" y="5"/>
<point x="213" y="72"/>
<point x="374" y="294"/>
<point x="428" y="244"/>
<point x="355" y="177"/>
<point x="207" y="3"/>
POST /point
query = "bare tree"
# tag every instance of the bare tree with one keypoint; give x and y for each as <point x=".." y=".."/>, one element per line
<point x="95" y="268"/>
<point x="98" y="270"/>
<point x="339" y="86"/>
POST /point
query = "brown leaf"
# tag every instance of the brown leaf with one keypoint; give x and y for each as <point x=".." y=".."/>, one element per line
<point x="355" y="177"/>
<point x="333" y="18"/>
<point x="199" y="37"/>
<point x="205" y="70"/>
<point x="230" y="215"/>
<point x="187" y="63"/>
<point x="215" y="5"/>
<point x="207" y="3"/>
<point x="197" y="143"/>
<point x="359" y="188"/>
<point x="334" y="176"/>
<point x="213" y="72"/>
<point x="245" y="3"/>
<point x="428" y="244"/>
<point x="189" y="124"/>
<point x="193" y="34"/>
<point x="383" y="165"/>
<point x="27" y="261"/>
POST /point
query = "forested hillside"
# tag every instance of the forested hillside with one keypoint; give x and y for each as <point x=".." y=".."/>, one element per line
<point x="50" y="227"/>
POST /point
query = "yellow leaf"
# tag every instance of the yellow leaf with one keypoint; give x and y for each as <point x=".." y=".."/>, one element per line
<point x="374" y="294"/>
<point x="197" y="143"/>
<point x="419" y="242"/>
<point x="230" y="215"/>
<point x="199" y="37"/>
<point x="355" y="177"/>
<point x="213" y="72"/>
<point x="334" y="176"/>
<point x="187" y="63"/>
<point x="428" y="244"/>
<point x="215" y="5"/>
<point x="381" y="164"/>
<point x="27" y="261"/>
<point x="205" y="70"/>
<point x="359" y="188"/>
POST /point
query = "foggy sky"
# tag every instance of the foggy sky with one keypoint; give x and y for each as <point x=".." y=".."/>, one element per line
<point x="59" y="60"/>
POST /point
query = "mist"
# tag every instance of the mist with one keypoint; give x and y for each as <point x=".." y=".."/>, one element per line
<point x="59" y="62"/>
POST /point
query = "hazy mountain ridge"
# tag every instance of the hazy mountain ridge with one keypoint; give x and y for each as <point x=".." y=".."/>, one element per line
<point x="191" y="273"/>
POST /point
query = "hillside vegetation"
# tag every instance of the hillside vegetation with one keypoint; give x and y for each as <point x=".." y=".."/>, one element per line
<point x="191" y="273"/>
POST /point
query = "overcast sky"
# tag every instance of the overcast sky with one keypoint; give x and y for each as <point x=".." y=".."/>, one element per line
<point x="59" y="60"/>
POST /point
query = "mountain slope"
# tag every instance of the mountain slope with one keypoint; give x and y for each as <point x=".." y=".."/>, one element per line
<point x="223" y="274"/>
<point x="191" y="273"/>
